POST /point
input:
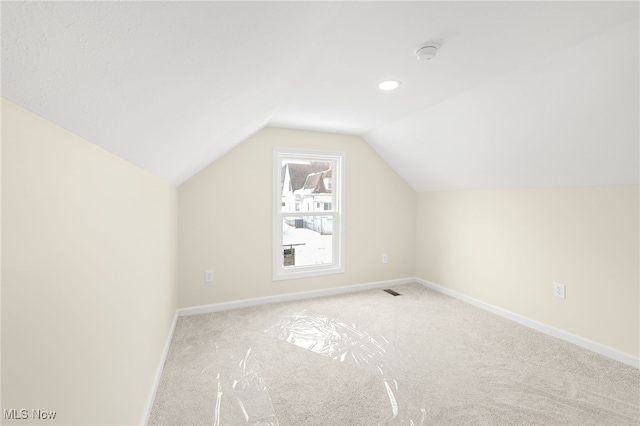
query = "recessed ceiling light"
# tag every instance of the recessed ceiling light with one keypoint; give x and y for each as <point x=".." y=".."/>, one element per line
<point x="389" y="85"/>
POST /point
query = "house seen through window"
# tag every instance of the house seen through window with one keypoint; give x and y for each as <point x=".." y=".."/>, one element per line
<point x="308" y="191"/>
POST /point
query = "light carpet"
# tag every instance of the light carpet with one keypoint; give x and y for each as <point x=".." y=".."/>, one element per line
<point x="368" y="358"/>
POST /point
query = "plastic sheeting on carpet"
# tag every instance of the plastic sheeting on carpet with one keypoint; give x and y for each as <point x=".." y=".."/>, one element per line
<point x="350" y="344"/>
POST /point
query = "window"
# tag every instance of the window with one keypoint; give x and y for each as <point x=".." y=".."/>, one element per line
<point x="308" y="202"/>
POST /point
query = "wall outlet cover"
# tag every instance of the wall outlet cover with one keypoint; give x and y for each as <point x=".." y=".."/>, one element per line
<point x="559" y="290"/>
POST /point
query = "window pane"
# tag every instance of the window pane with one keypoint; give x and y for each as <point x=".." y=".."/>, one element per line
<point x="306" y="185"/>
<point x="307" y="240"/>
<point x="308" y="221"/>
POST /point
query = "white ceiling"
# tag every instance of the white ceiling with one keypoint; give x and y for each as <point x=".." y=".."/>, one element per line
<point x="521" y="94"/>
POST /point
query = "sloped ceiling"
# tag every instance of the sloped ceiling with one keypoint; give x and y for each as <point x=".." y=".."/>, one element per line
<point x="521" y="94"/>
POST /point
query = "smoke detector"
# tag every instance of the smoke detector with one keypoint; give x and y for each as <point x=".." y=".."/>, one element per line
<point x="427" y="51"/>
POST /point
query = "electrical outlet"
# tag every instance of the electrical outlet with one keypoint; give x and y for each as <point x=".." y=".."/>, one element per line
<point x="208" y="276"/>
<point x="385" y="259"/>
<point x="559" y="290"/>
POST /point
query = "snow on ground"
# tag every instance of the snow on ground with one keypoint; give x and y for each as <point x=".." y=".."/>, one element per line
<point x="317" y="249"/>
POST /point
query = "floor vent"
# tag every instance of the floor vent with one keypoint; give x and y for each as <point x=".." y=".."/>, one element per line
<point x="391" y="292"/>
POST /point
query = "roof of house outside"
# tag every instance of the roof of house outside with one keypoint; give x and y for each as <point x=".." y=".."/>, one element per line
<point x="315" y="182"/>
<point x="299" y="173"/>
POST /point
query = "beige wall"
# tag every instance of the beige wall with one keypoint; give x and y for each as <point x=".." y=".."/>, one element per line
<point x="508" y="247"/>
<point x="89" y="275"/>
<point x="225" y="215"/>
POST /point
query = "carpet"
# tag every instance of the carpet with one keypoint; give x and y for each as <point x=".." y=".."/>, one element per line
<point x="368" y="358"/>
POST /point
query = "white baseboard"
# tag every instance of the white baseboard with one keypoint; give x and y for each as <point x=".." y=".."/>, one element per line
<point x="158" y="375"/>
<point x="598" y="348"/>
<point x="290" y="296"/>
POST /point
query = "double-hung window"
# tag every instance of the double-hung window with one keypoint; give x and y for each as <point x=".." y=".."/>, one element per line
<point x="308" y="217"/>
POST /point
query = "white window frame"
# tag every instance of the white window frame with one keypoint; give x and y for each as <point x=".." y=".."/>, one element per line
<point x="337" y="212"/>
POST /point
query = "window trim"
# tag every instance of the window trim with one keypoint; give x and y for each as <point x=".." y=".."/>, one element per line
<point x="338" y="213"/>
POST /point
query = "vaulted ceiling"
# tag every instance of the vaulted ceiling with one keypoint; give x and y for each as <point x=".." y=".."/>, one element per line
<point x="520" y="94"/>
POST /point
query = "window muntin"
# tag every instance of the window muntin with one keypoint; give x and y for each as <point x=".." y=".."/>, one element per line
<point x="308" y="201"/>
